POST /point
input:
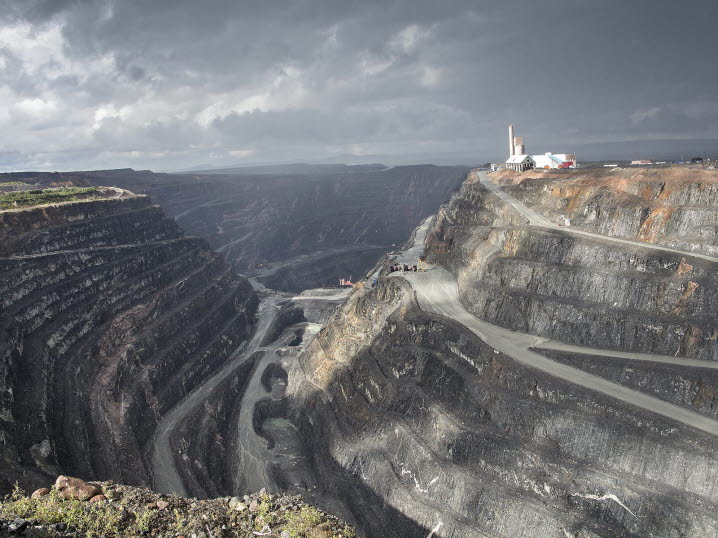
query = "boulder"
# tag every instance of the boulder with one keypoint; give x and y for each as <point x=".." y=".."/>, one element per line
<point x="40" y="493"/>
<point x="80" y="493"/>
<point x="63" y="482"/>
<point x="98" y="498"/>
<point x="162" y="504"/>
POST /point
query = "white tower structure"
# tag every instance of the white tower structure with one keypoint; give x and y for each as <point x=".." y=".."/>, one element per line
<point x="518" y="160"/>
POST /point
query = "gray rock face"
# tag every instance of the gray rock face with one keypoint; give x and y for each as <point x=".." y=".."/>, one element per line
<point x="323" y="271"/>
<point x="693" y="388"/>
<point x="204" y="452"/>
<point x="83" y="226"/>
<point x="575" y="289"/>
<point x="109" y="317"/>
<point x="417" y="425"/>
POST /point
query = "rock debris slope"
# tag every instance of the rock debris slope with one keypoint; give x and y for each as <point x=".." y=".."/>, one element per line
<point x="109" y="316"/>
<point x="462" y="401"/>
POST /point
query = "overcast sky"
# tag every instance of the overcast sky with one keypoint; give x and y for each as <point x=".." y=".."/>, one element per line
<point x="167" y="84"/>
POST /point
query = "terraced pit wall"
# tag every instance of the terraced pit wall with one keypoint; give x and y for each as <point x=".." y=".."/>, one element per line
<point x="110" y="315"/>
<point x="673" y="206"/>
<point x="573" y="288"/>
<point x="416" y="425"/>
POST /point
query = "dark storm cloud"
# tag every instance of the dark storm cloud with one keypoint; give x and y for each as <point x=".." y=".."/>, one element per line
<point x="167" y="83"/>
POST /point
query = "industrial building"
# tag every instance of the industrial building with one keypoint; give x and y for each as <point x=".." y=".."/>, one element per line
<point x="555" y="160"/>
<point x="519" y="161"/>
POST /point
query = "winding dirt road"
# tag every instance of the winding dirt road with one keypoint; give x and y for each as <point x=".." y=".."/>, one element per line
<point x="437" y="292"/>
<point x="164" y="471"/>
<point x="162" y="456"/>
<point x="537" y="220"/>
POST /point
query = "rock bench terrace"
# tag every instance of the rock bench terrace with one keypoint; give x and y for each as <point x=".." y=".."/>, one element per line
<point x="105" y="305"/>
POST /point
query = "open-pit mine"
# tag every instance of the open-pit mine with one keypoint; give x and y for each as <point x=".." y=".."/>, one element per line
<point x="549" y="370"/>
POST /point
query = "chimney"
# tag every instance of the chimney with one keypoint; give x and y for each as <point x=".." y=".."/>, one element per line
<point x="511" y="140"/>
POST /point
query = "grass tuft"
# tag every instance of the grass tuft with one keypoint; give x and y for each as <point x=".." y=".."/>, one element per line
<point x="97" y="519"/>
<point x="13" y="200"/>
<point x="136" y="513"/>
<point x="307" y="522"/>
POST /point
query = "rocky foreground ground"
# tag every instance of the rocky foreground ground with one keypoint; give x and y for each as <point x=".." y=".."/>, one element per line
<point x="74" y="508"/>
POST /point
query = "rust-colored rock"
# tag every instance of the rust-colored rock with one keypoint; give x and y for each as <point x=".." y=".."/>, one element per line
<point x="63" y="482"/>
<point x="98" y="498"/>
<point x="40" y="493"/>
<point x="80" y="493"/>
<point x="684" y="267"/>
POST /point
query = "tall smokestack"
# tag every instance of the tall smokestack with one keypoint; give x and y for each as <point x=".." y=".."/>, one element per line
<point x="511" y="140"/>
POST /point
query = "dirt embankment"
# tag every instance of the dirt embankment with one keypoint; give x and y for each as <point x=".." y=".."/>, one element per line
<point x="674" y="206"/>
<point x="673" y="174"/>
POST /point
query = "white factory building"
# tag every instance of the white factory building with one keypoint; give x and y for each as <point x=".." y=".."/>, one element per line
<point x="520" y="161"/>
<point x="555" y="160"/>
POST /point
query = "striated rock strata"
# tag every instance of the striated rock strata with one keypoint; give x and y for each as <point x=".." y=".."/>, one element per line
<point x="420" y="427"/>
<point x="583" y="290"/>
<point x="675" y="206"/>
<point x="109" y="317"/>
<point x="417" y="425"/>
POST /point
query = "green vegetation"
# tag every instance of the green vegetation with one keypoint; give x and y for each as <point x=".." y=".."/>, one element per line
<point x="141" y="512"/>
<point x="12" y="184"/>
<point x="13" y="200"/>
<point x="91" y="519"/>
<point x="97" y="519"/>
<point x="305" y="522"/>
